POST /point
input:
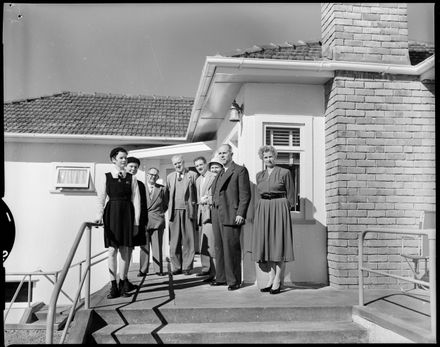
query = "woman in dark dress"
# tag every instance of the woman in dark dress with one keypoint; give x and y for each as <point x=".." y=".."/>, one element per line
<point x="119" y="193"/>
<point x="272" y="239"/>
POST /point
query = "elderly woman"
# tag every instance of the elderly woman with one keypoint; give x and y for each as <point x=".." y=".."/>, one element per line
<point x="272" y="239"/>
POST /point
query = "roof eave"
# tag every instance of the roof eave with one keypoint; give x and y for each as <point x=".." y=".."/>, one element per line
<point x="212" y="63"/>
<point x="90" y="139"/>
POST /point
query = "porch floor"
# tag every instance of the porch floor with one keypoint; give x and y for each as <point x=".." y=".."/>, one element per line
<point x="405" y="313"/>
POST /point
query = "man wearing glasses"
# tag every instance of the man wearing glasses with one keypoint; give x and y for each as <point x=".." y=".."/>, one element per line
<point x="157" y="204"/>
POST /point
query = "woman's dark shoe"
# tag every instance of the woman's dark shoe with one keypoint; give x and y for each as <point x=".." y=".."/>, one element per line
<point x="266" y="290"/>
<point x="177" y="272"/>
<point x="141" y="274"/>
<point x="126" y="287"/>
<point x="114" y="291"/>
<point x="275" y="291"/>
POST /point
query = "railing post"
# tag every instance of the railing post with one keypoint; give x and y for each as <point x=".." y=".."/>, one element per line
<point x="360" y="266"/>
<point x="29" y="290"/>
<point x="80" y="272"/>
<point x="432" y="281"/>
<point x="58" y="284"/>
<point x="88" y="266"/>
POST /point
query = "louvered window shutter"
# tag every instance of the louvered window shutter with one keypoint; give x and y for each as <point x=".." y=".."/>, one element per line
<point x="285" y="137"/>
<point x="287" y="141"/>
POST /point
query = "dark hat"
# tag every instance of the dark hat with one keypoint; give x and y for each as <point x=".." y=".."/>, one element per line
<point x="215" y="160"/>
<point x="133" y="160"/>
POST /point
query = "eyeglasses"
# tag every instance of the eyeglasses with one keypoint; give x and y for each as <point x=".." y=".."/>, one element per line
<point x="152" y="175"/>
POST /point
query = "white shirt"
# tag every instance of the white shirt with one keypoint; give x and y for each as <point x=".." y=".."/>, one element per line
<point x="150" y="188"/>
<point x="103" y="197"/>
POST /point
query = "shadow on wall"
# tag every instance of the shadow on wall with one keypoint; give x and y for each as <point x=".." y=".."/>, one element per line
<point x="310" y="266"/>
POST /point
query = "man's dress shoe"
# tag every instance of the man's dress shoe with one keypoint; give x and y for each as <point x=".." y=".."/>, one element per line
<point x="234" y="286"/>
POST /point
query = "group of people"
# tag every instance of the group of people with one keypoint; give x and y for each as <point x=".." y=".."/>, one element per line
<point x="215" y="200"/>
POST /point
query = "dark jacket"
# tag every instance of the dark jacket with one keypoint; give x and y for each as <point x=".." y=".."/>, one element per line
<point x="232" y="193"/>
<point x="157" y="205"/>
<point x="140" y="238"/>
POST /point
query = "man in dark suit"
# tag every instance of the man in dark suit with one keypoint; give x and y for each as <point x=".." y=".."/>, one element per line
<point x="231" y="198"/>
<point x="132" y="167"/>
<point x="182" y="209"/>
<point x="157" y="204"/>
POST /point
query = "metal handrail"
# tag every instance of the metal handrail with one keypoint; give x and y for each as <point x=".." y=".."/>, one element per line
<point x="62" y="277"/>
<point x="45" y="274"/>
<point x="30" y="274"/>
<point x="432" y="267"/>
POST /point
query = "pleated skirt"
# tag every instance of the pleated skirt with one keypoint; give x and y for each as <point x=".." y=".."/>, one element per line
<point x="118" y="224"/>
<point x="272" y="237"/>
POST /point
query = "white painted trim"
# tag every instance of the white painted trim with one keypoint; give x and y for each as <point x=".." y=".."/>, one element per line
<point x="324" y="66"/>
<point x="191" y="147"/>
<point x="89" y="139"/>
<point x="61" y="189"/>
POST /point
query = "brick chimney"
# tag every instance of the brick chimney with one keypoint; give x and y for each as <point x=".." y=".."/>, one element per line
<point x="365" y="32"/>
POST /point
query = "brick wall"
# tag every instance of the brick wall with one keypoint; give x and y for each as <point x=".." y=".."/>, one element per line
<point x="365" y="32"/>
<point x="380" y="168"/>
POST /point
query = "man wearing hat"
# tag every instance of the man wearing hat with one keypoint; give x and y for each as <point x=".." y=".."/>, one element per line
<point x="132" y="167"/>
<point x="214" y="165"/>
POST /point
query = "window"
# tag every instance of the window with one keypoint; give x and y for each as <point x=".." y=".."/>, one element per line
<point x="73" y="177"/>
<point x="287" y="141"/>
<point x="23" y="293"/>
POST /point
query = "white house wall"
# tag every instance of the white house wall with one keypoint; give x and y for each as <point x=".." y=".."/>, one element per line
<point x="46" y="222"/>
<point x="286" y="103"/>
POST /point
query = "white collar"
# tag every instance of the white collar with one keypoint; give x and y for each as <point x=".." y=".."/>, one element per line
<point x="115" y="171"/>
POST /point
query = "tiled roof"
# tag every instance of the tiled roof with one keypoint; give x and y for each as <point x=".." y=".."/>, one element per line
<point x="312" y="50"/>
<point x="419" y="51"/>
<point x="99" y="114"/>
<point x="289" y="51"/>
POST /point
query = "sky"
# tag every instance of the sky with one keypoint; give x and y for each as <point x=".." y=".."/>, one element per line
<point x="148" y="49"/>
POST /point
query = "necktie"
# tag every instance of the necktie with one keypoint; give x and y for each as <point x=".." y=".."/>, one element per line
<point x="120" y="176"/>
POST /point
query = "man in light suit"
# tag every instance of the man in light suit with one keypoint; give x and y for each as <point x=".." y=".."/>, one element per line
<point x="204" y="200"/>
<point x="231" y="198"/>
<point x="157" y="204"/>
<point x="181" y="185"/>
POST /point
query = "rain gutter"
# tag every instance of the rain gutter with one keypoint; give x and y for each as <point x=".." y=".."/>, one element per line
<point x="212" y="63"/>
<point x="104" y="139"/>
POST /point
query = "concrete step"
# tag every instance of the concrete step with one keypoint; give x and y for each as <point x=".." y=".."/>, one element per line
<point x="133" y="315"/>
<point x="61" y="313"/>
<point x="38" y="319"/>
<point x="404" y="327"/>
<point x="234" y="332"/>
<point x="37" y="325"/>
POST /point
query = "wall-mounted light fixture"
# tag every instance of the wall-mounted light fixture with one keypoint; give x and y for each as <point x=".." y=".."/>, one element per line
<point x="236" y="112"/>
